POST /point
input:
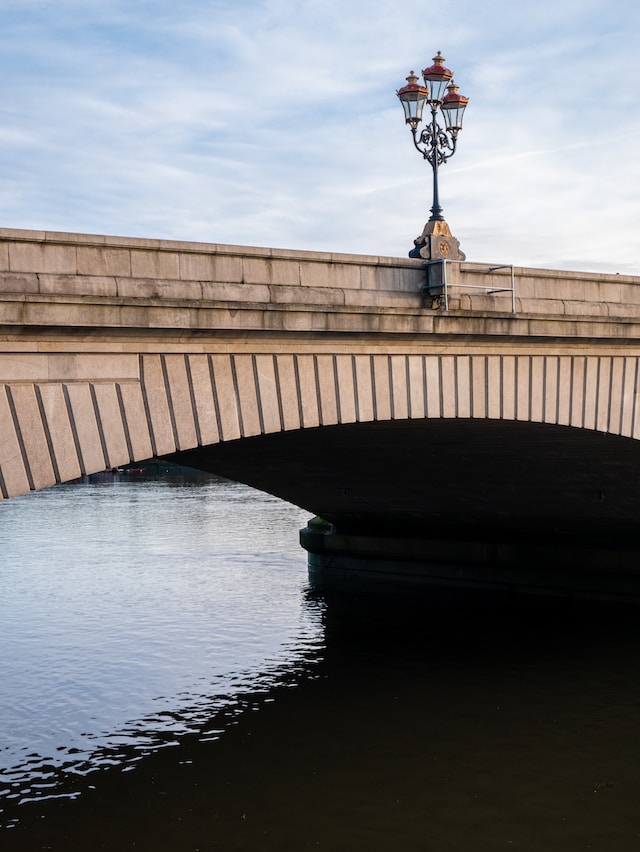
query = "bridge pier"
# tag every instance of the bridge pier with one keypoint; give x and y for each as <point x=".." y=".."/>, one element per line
<point x="518" y="567"/>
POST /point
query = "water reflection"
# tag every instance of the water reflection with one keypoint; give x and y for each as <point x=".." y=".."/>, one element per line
<point x="133" y="609"/>
<point x="293" y="719"/>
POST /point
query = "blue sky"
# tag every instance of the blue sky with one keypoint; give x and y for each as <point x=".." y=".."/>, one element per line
<point x="276" y="123"/>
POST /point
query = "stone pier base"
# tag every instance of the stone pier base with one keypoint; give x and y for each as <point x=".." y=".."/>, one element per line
<point x="523" y="568"/>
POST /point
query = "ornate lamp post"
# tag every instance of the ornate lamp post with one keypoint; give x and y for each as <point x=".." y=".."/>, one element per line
<point x="437" y="145"/>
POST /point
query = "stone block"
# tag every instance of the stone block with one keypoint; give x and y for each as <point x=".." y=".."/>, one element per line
<point x="158" y="406"/>
<point x="40" y="257"/>
<point x="327" y="389"/>
<point x="612" y="293"/>
<point x="56" y="415"/>
<point x="205" y="410"/>
<point x="288" y="391"/>
<point x="345" y="275"/>
<point x="330" y="275"/>
<point x="281" y="294"/>
<point x="155" y="264"/>
<point x="32" y="435"/>
<point x="138" y="288"/>
<point x="582" y="309"/>
<point x="76" y="285"/>
<point x="221" y="292"/>
<point x="245" y="382"/>
<point x="624" y="311"/>
<point x="73" y="238"/>
<point x="399" y="389"/>
<point x="58" y="259"/>
<point x="172" y="317"/>
<point x="285" y="272"/>
<point x="228" y="269"/>
<point x="178" y="291"/>
<point x="82" y="412"/>
<point x="197" y="267"/>
<point x="616" y="398"/>
<point x="12" y="312"/>
<point x="24" y="367"/>
<point x="22" y="235"/>
<point x="381" y="299"/>
<point x="316" y="275"/>
<point x="225" y="397"/>
<point x="308" y="384"/>
<point x="157" y="288"/>
<point x="628" y="395"/>
<point x="490" y="302"/>
<point x="629" y="294"/>
<point x="478" y="386"/>
<point x="71" y="314"/>
<point x="346" y="389"/>
<point x="393" y="278"/>
<point x="547" y="307"/>
<point x="97" y="367"/>
<point x="111" y="423"/>
<point x="256" y="270"/>
<point x="13" y="473"/>
<point x="347" y="257"/>
<point x="11" y="282"/>
<point x="463" y="384"/>
<point x="364" y="387"/>
<point x="448" y="382"/>
<point x="177" y="378"/>
<point x="382" y="387"/>
<point x="107" y="261"/>
<point x="132" y="316"/>
<point x="537" y="383"/>
<point x="524" y="287"/>
<point x="135" y="420"/>
<point x="368" y="278"/>
<point x="268" y="393"/>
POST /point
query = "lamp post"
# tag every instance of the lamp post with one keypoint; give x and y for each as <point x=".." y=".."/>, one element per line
<point x="437" y="145"/>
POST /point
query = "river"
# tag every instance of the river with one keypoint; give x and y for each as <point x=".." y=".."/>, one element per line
<point x="170" y="682"/>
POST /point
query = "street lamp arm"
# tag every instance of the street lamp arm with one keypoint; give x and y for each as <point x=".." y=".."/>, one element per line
<point x="434" y="144"/>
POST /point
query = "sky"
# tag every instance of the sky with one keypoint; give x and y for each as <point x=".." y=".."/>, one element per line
<point x="276" y="123"/>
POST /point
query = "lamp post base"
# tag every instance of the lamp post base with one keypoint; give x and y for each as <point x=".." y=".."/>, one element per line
<point x="436" y="242"/>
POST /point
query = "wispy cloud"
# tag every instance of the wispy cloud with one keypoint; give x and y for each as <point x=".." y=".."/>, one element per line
<point x="276" y="123"/>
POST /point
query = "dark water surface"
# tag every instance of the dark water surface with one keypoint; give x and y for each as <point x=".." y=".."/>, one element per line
<point x="169" y="682"/>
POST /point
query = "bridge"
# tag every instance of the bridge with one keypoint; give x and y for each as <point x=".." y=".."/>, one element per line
<point x="472" y="434"/>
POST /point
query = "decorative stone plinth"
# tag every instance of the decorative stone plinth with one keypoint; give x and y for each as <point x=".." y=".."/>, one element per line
<point x="436" y="242"/>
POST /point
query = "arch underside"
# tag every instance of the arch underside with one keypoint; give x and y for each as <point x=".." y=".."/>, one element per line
<point x="446" y="478"/>
<point x="457" y="442"/>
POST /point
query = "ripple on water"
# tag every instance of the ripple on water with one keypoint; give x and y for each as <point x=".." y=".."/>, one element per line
<point x="133" y="614"/>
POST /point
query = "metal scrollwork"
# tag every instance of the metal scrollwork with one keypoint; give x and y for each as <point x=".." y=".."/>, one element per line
<point x="435" y="145"/>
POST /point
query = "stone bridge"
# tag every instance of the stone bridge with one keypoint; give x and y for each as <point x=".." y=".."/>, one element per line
<point x="480" y="433"/>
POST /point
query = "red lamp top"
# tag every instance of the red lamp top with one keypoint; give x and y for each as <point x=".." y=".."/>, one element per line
<point x="453" y="99"/>
<point x="437" y="72"/>
<point x="412" y="87"/>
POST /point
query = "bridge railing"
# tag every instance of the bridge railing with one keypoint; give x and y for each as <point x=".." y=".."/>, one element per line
<point x="439" y="285"/>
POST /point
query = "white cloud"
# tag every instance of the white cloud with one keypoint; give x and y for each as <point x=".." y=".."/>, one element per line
<point x="276" y="123"/>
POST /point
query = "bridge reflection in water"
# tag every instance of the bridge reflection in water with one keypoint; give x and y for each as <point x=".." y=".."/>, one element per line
<point x="209" y="699"/>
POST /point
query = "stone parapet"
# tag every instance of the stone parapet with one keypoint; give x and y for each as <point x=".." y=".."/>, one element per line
<point x="93" y="280"/>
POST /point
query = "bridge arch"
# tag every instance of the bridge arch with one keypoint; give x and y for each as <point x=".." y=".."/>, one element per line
<point x="104" y="410"/>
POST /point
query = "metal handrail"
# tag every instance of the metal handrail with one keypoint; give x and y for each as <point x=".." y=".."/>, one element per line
<point x="444" y="285"/>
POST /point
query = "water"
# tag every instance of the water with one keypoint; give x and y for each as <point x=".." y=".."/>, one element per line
<point x="170" y="682"/>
